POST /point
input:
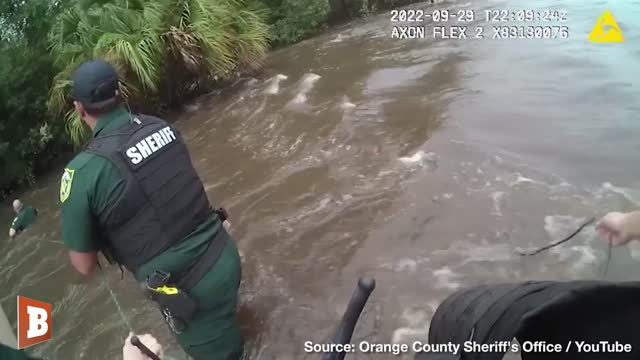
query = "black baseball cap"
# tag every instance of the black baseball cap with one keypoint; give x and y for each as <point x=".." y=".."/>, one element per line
<point x="94" y="81"/>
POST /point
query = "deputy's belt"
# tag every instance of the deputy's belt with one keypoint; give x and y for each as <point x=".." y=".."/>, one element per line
<point x="190" y="278"/>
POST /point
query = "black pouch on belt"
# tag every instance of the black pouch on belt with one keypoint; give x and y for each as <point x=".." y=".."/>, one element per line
<point x="173" y="295"/>
<point x="179" y="303"/>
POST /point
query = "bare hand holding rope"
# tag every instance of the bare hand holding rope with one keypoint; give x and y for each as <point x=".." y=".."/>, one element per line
<point x="615" y="228"/>
<point x="619" y="228"/>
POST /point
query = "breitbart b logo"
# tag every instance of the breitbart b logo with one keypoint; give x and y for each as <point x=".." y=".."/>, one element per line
<point x="34" y="322"/>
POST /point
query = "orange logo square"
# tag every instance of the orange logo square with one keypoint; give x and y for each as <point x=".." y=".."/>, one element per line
<point x="34" y="322"/>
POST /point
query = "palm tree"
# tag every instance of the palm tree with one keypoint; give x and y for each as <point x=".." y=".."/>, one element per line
<point x="155" y="45"/>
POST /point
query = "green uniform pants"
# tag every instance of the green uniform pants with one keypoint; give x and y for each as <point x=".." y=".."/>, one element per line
<point x="214" y="333"/>
<point x="8" y="353"/>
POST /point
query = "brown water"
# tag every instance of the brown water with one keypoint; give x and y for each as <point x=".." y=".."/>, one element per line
<point x="423" y="163"/>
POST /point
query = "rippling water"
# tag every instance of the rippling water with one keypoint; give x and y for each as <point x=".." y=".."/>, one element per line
<point x="424" y="163"/>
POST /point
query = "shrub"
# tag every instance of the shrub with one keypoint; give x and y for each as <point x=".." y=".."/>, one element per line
<point x="294" y="20"/>
<point x="159" y="47"/>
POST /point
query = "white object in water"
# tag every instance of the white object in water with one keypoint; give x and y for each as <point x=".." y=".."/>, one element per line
<point x="417" y="157"/>
<point x="346" y="103"/>
<point x="311" y="77"/>
<point x="274" y="88"/>
<point x="300" y="98"/>
<point x="407" y="335"/>
<point x="307" y="84"/>
<point x="192" y="107"/>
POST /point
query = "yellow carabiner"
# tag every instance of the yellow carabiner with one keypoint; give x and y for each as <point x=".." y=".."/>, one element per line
<point x="167" y="290"/>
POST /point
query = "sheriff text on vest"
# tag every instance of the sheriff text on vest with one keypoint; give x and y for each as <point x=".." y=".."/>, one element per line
<point x="150" y="145"/>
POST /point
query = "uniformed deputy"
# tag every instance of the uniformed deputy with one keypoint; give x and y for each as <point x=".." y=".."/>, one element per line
<point x="134" y="195"/>
<point x="25" y="216"/>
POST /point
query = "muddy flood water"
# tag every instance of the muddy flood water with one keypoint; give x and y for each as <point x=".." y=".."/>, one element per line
<point x="421" y="162"/>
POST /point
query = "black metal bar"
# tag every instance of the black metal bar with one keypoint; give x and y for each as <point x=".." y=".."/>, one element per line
<point x="350" y="318"/>
<point x="145" y="350"/>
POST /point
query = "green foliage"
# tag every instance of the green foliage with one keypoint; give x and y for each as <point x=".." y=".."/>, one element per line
<point x="28" y="136"/>
<point x="27" y="21"/>
<point x="364" y="8"/>
<point x="294" y="20"/>
<point x="23" y="112"/>
<point x="159" y="47"/>
<point x="367" y="8"/>
<point x="162" y="49"/>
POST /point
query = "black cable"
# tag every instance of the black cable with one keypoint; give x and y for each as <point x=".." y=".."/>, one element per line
<point x="585" y="224"/>
<point x="606" y="264"/>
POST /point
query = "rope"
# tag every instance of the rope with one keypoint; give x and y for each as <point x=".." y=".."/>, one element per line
<point x="105" y="280"/>
<point x="606" y="264"/>
<point x="134" y="340"/>
<point x="571" y="236"/>
<point x="552" y="245"/>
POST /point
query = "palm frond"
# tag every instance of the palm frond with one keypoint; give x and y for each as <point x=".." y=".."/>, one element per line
<point x="252" y="38"/>
<point x="140" y="60"/>
<point x="145" y="38"/>
<point x="78" y="131"/>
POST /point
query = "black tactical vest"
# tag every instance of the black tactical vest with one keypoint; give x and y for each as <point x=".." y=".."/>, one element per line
<point x="164" y="199"/>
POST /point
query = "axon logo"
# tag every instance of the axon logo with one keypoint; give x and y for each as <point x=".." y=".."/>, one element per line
<point x="34" y="322"/>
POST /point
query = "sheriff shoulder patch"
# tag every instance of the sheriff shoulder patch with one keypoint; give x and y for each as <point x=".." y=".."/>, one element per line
<point x="65" y="184"/>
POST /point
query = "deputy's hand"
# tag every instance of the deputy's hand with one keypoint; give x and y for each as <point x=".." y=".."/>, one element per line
<point x="130" y="352"/>
<point x="614" y="228"/>
<point x="227" y="225"/>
